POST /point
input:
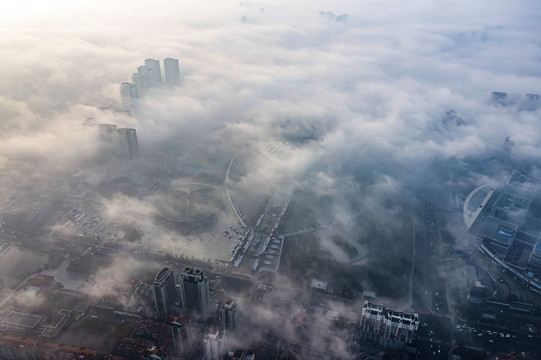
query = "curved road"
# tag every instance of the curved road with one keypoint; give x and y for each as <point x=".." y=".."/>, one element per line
<point x="235" y="209"/>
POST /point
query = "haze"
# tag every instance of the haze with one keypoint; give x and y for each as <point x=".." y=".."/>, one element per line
<point x="361" y="130"/>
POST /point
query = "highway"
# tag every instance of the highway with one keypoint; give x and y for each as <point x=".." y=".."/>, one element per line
<point x="233" y="205"/>
<point x="429" y="293"/>
<point x="494" y="338"/>
<point x="429" y="296"/>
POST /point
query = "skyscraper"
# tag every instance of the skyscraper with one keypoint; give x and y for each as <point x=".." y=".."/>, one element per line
<point x="228" y="315"/>
<point x="128" y="143"/>
<point x="194" y="290"/>
<point x="108" y="132"/>
<point x="505" y="156"/>
<point x="142" y="78"/>
<point x="214" y="345"/>
<point x="154" y="71"/>
<point x="172" y="71"/>
<point x="147" y="77"/>
<point x="128" y="92"/>
<point x="165" y="292"/>
<point x="179" y="330"/>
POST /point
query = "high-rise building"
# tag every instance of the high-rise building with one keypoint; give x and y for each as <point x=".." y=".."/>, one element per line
<point x="165" y="291"/>
<point x="128" y="143"/>
<point x="505" y="156"/>
<point x="128" y="94"/>
<point x="108" y="132"/>
<point x="399" y="329"/>
<point x="388" y="328"/>
<point x="228" y="315"/>
<point x="371" y="321"/>
<point x="172" y="71"/>
<point x="179" y="327"/>
<point x="143" y="78"/>
<point x="214" y="343"/>
<point x="194" y="290"/>
<point x="122" y="142"/>
<point x="149" y="76"/>
<point x="153" y="68"/>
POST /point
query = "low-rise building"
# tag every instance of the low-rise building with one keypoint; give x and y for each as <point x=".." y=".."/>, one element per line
<point x="140" y="349"/>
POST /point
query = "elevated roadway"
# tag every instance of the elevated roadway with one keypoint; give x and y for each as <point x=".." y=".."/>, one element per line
<point x="233" y="205"/>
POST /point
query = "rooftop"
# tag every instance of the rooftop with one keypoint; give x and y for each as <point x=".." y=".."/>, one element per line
<point x="498" y="229"/>
<point x="318" y="284"/>
<point x="163" y="274"/>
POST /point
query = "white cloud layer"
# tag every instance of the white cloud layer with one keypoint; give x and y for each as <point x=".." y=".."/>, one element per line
<point x="372" y="89"/>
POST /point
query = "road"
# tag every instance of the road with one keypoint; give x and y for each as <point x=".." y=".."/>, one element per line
<point x="233" y="205"/>
<point x="429" y="292"/>
<point x="495" y="338"/>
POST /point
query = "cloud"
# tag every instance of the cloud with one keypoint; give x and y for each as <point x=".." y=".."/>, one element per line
<point x="348" y="106"/>
<point x="381" y="77"/>
<point x="372" y="91"/>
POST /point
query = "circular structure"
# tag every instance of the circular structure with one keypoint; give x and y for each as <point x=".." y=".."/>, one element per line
<point x="288" y="135"/>
<point x="188" y="206"/>
<point x="301" y="131"/>
<point x="273" y="146"/>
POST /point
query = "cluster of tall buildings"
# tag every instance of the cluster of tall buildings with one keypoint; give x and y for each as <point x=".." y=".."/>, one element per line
<point x="123" y="140"/>
<point x="388" y="328"/>
<point x="527" y="102"/>
<point x="189" y="292"/>
<point x="149" y="76"/>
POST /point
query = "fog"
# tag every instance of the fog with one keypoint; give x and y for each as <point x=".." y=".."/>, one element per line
<point x="377" y="84"/>
<point x="357" y="106"/>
